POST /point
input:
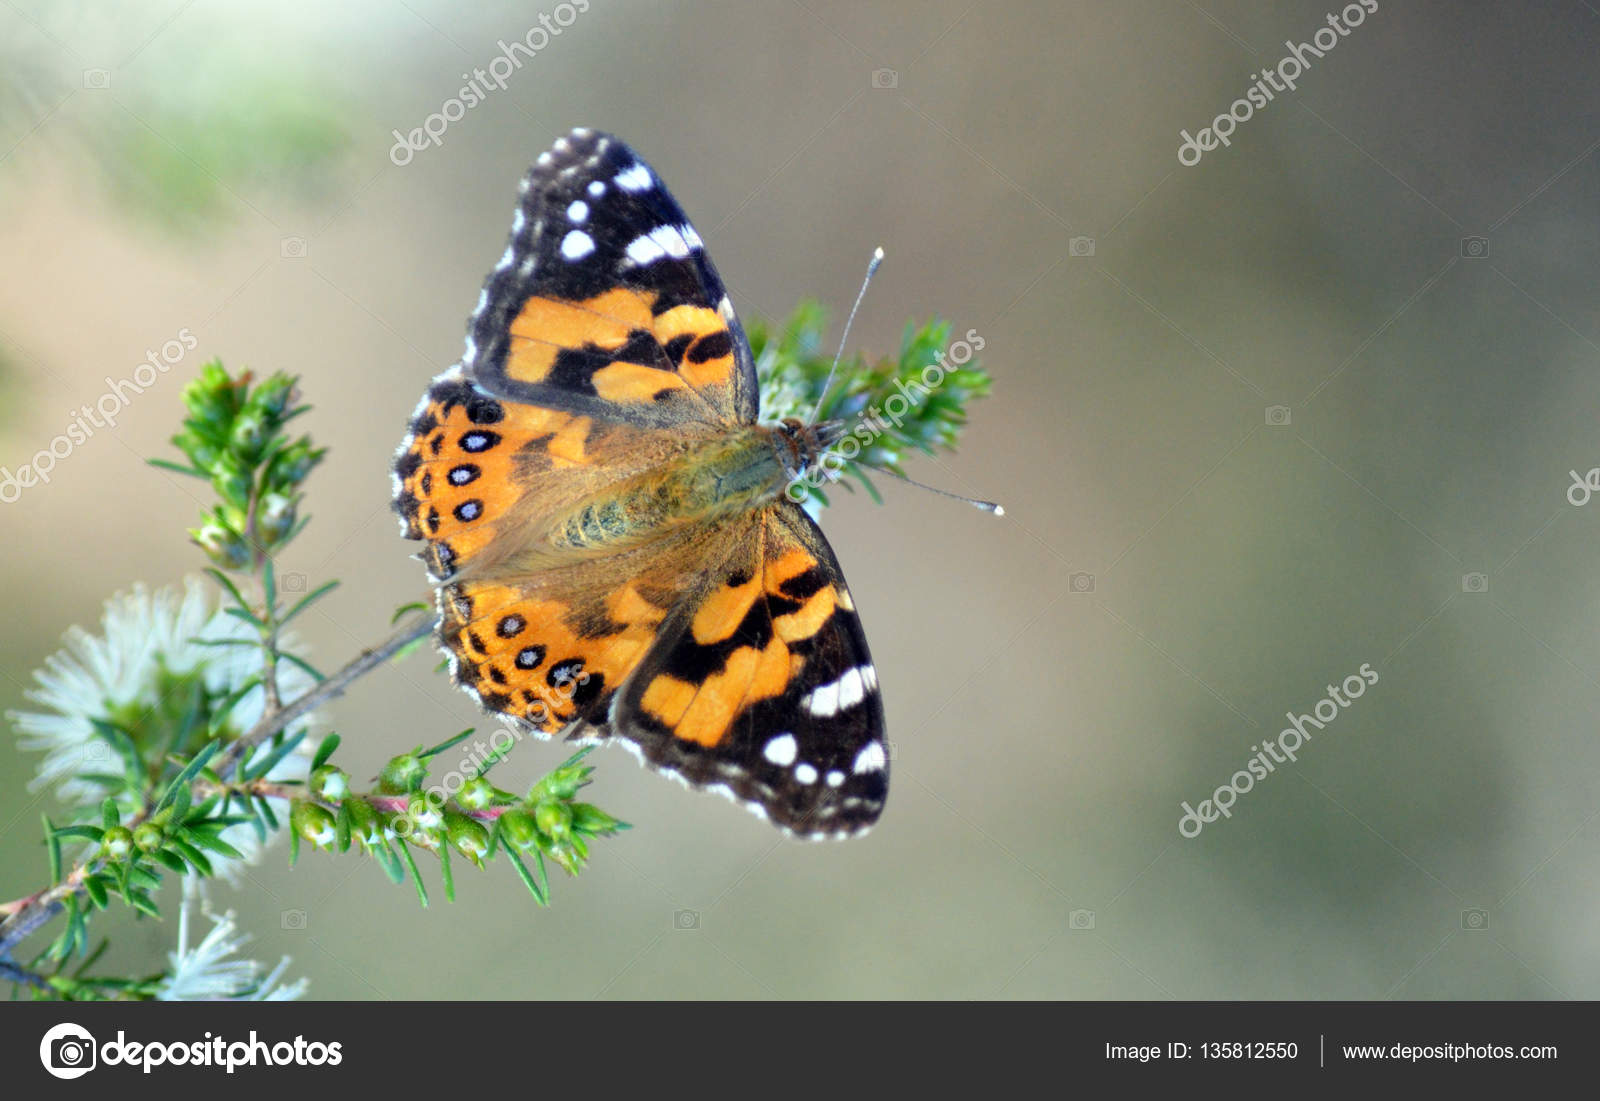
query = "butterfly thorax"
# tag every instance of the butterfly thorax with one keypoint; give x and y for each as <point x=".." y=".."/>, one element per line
<point x="723" y="475"/>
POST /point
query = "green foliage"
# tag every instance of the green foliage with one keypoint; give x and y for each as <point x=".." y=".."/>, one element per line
<point x="915" y="401"/>
<point x="475" y="823"/>
<point x="234" y="437"/>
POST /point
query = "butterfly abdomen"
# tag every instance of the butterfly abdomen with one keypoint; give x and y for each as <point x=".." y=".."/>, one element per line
<point x="726" y="475"/>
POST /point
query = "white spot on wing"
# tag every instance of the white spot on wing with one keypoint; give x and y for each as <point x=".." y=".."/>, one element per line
<point x="576" y="245"/>
<point x="643" y="250"/>
<point x="805" y="773"/>
<point x="578" y="212"/>
<point x="781" y="750"/>
<point x="671" y="241"/>
<point x="823" y="702"/>
<point x="870" y="759"/>
<point x="636" y="177"/>
<point x="835" y="778"/>
<point x="596" y="188"/>
<point x="850" y="689"/>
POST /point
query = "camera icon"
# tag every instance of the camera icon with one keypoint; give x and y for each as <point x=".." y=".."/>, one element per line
<point x="97" y="79"/>
<point x="1278" y="415"/>
<point x="686" y="919"/>
<point x="293" y="248"/>
<point x="67" y="1051"/>
<point x="1475" y="921"/>
<point x="96" y="751"/>
<point x="1081" y="582"/>
<point x="1474" y="582"/>
<point x="1474" y="248"/>
<point x="292" y="582"/>
<point x="292" y="920"/>
<point x="1080" y="921"/>
<point x="1080" y="246"/>
<point x="885" y="78"/>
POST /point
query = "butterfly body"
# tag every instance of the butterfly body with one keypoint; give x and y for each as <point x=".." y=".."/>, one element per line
<point x="605" y="515"/>
<point x="722" y="475"/>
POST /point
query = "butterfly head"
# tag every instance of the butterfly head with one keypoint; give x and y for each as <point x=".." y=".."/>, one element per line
<point x="801" y="446"/>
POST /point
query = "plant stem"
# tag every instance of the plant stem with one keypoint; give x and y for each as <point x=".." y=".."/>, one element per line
<point x="25" y="915"/>
<point x="359" y="666"/>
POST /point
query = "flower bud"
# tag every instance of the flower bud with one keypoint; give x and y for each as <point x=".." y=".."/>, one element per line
<point x="468" y="837"/>
<point x="222" y="545"/>
<point x="117" y="843"/>
<point x="249" y="434"/>
<point x="553" y="819"/>
<point x="275" y="517"/>
<point x="519" y="828"/>
<point x="590" y="819"/>
<point x="424" y="813"/>
<point x="476" y="794"/>
<point x="312" y="822"/>
<point x="402" y="774"/>
<point x="364" y="824"/>
<point x="148" y="837"/>
<point x="329" y="784"/>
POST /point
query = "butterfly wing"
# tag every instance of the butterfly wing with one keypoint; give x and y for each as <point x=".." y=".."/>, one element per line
<point x="604" y="303"/>
<point x="577" y="361"/>
<point x="760" y="685"/>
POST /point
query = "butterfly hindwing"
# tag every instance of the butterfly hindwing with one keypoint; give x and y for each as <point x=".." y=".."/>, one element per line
<point x="760" y="685"/>
<point x="605" y="303"/>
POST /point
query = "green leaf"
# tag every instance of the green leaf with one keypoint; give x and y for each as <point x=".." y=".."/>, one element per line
<point x="446" y="744"/>
<point x="306" y="601"/>
<point x="178" y="468"/>
<point x="110" y="816"/>
<point x="202" y="839"/>
<point x="52" y="842"/>
<point x="400" y="612"/>
<point x="304" y="666"/>
<point x="171" y="860"/>
<point x="526" y="876"/>
<point x="247" y="616"/>
<point x="266" y="812"/>
<point x="233" y="590"/>
<point x="390" y="862"/>
<point x="190" y="771"/>
<point x="180" y="803"/>
<point x="269" y="587"/>
<point x="95" y="886"/>
<point x="341" y="827"/>
<point x="140" y="876"/>
<point x="324" y="751"/>
<point x="445" y="873"/>
<point x="265" y="763"/>
<point x="82" y="833"/>
<point x="411" y="866"/>
<point x="144" y="903"/>
<point x="193" y="855"/>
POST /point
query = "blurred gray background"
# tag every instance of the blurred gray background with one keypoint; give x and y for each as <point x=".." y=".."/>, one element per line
<point x="1400" y="255"/>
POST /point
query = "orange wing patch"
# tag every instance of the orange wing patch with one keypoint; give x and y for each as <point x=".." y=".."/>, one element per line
<point x="617" y="348"/>
<point x="543" y="660"/>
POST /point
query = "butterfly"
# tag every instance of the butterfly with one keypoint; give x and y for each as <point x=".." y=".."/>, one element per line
<point x="606" y="520"/>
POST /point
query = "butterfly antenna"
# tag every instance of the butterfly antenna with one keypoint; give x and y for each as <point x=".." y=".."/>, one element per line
<point x="872" y="269"/>
<point x="990" y="507"/>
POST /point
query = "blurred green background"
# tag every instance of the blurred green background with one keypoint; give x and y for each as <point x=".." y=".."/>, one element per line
<point x="1179" y="564"/>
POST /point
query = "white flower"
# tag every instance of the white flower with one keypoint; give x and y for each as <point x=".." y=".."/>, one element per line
<point x="206" y="973"/>
<point x="145" y="638"/>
